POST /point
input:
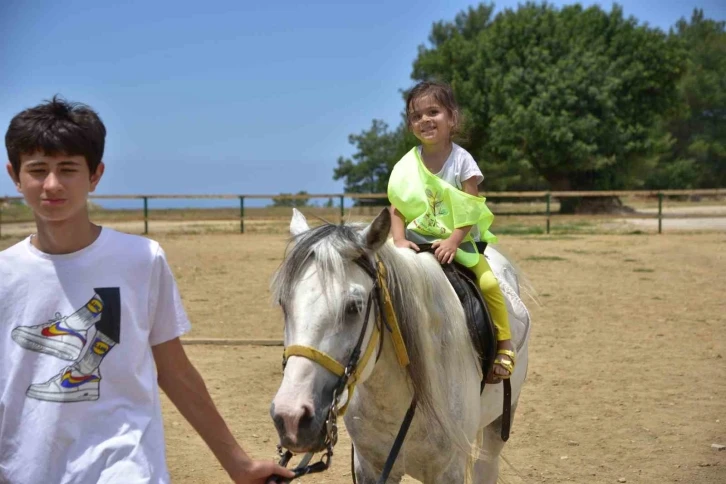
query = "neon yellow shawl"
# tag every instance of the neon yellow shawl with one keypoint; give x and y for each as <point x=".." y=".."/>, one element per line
<point x="433" y="208"/>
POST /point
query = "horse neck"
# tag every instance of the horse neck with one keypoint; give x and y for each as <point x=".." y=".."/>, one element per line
<point x="388" y="384"/>
<point x="388" y="374"/>
<point x="432" y="320"/>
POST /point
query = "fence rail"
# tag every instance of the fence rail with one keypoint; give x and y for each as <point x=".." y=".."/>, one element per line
<point x="548" y="196"/>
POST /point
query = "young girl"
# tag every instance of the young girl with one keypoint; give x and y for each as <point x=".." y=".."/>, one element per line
<point x="433" y="189"/>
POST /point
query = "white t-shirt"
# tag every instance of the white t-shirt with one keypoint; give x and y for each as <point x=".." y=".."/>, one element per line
<point x="459" y="167"/>
<point x="79" y="400"/>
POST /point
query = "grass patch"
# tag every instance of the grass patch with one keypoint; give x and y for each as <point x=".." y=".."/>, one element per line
<point x="643" y="270"/>
<point x="16" y="212"/>
<point x="579" y="226"/>
<point x="591" y="252"/>
<point x="563" y="237"/>
<point x="545" y="258"/>
<point x="629" y="260"/>
<point x="518" y="229"/>
<point x="554" y="237"/>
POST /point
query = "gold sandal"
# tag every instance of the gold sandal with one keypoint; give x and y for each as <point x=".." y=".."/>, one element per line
<point x="507" y="365"/>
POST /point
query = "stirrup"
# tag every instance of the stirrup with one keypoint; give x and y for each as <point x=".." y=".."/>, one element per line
<point x="507" y="365"/>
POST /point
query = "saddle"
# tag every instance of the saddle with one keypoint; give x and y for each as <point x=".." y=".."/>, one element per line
<point x="478" y="319"/>
<point x="481" y="326"/>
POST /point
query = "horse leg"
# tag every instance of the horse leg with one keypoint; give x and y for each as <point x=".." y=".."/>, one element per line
<point x="366" y="473"/>
<point x="486" y="469"/>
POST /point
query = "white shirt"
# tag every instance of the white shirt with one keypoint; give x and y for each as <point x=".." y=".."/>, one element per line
<point x="82" y="405"/>
<point x="459" y="167"/>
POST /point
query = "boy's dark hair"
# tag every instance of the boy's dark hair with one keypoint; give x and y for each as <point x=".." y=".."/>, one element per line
<point x="56" y="127"/>
<point x="442" y="93"/>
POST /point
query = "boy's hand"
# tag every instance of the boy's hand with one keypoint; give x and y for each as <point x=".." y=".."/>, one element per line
<point x="445" y="250"/>
<point x="405" y="244"/>
<point x="258" y="472"/>
<point x="185" y="387"/>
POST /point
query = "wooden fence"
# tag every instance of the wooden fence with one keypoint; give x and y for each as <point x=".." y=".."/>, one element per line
<point x="548" y="196"/>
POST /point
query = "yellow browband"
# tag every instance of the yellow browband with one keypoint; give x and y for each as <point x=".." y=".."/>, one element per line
<point x="333" y="366"/>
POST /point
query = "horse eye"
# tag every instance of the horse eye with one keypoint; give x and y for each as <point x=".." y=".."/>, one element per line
<point x="352" y="308"/>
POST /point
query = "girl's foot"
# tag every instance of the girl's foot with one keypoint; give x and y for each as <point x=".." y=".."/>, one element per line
<point x="503" y="363"/>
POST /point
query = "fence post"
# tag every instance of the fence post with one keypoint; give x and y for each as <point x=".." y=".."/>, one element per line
<point x="549" y="197"/>
<point x="660" y="213"/>
<point x="241" y="215"/>
<point x="342" y="209"/>
<point x="146" y="215"/>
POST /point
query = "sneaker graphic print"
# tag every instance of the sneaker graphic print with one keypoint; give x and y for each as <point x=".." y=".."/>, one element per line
<point x="65" y="337"/>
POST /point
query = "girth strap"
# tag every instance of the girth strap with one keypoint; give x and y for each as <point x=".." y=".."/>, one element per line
<point x="507" y="409"/>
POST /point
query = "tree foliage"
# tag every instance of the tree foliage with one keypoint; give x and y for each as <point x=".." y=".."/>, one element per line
<point x="571" y="92"/>
<point x="695" y="132"/>
<point x="570" y="98"/>
<point x="378" y="149"/>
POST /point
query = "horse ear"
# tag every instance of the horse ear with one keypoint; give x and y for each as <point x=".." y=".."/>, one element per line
<point x="298" y="223"/>
<point x="376" y="234"/>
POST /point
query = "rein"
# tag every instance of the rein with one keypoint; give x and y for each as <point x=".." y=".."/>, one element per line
<point x="349" y="374"/>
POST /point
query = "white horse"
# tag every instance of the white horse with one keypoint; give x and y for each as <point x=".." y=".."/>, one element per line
<point x="455" y="434"/>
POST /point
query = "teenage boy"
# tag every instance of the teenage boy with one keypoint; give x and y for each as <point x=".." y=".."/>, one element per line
<point x="90" y="321"/>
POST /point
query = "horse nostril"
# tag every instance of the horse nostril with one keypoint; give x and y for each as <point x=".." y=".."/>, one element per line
<point x="279" y="423"/>
<point x="307" y="415"/>
<point x="307" y="409"/>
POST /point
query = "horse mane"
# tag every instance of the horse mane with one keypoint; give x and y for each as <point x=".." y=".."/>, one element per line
<point x="437" y="339"/>
<point x="428" y="311"/>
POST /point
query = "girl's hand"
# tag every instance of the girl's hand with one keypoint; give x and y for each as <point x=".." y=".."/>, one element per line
<point x="445" y="250"/>
<point x="405" y="244"/>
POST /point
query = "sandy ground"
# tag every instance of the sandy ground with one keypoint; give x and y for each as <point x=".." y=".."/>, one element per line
<point x="627" y="373"/>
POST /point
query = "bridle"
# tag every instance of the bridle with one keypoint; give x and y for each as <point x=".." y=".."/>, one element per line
<point x="349" y="374"/>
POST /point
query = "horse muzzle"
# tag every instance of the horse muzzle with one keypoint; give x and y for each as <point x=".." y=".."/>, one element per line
<point x="300" y="427"/>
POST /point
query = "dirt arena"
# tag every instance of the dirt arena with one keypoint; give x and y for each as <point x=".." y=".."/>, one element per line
<point x="627" y="378"/>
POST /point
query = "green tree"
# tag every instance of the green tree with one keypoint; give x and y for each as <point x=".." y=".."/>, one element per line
<point x="377" y="150"/>
<point x="569" y="99"/>
<point x="696" y="132"/>
<point x="571" y="94"/>
<point x="284" y="201"/>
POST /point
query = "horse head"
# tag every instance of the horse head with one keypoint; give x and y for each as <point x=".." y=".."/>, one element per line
<point x="325" y="295"/>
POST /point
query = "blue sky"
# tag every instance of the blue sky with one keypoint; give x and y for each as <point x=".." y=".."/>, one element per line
<point x="230" y="96"/>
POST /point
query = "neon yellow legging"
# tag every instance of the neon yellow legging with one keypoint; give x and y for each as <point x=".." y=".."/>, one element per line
<point x="495" y="299"/>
